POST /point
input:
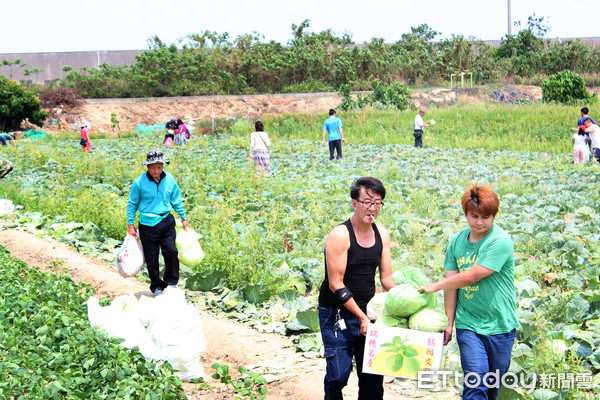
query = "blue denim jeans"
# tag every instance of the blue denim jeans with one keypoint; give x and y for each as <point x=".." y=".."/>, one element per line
<point x="480" y="354"/>
<point x="340" y="347"/>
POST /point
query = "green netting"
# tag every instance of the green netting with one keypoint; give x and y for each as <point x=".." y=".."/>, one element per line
<point x="35" y="135"/>
<point x="149" y="129"/>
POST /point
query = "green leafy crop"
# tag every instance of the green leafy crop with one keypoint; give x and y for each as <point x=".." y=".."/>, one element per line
<point x="49" y="351"/>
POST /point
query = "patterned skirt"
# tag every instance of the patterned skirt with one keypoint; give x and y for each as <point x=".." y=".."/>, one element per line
<point x="262" y="162"/>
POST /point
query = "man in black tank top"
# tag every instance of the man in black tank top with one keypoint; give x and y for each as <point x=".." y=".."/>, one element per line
<point x="353" y="252"/>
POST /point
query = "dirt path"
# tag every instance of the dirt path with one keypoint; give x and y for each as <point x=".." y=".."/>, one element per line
<point x="291" y="376"/>
<point x="149" y="111"/>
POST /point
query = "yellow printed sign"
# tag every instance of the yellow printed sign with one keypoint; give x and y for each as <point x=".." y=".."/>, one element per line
<point x="401" y="352"/>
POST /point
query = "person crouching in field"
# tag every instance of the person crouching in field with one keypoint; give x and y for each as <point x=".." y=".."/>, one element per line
<point x="182" y="134"/>
<point x="479" y="294"/>
<point x="259" y="149"/>
<point x="581" y="150"/>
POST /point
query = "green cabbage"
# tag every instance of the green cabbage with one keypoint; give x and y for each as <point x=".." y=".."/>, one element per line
<point x="404" y="300"/>
<point x="409" y="275"/>
<point x="397" y="322"/>
<point x="376" y="306"/>
<point x="428" y="319"/>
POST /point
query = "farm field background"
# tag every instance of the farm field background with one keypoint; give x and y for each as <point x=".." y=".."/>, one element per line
<point x="264" y="238"/>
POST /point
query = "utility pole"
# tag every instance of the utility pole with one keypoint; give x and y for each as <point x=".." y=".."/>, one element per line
<point x="509" y="24"/>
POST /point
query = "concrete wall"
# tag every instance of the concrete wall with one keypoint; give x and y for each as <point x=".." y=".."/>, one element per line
<point x="53" y="63"/>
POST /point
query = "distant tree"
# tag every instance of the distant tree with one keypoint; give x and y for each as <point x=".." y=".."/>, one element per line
<point x="17" y="104"/>
<point x="12" y="66"/>
<point x="525" y="49"/>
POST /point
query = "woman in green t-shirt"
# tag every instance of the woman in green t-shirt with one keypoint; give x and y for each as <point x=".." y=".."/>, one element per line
<point x="479" y="294"/>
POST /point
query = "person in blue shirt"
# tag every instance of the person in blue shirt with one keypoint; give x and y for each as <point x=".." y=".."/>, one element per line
<point x="333" y="127"/>
<point x="155" y="193"/>
<point x="584" y="114"/>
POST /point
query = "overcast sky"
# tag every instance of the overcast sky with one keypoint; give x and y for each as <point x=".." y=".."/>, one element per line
<point x="29" y="26"/>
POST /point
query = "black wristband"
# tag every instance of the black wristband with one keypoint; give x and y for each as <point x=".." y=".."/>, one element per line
<point x="343" y="295"/>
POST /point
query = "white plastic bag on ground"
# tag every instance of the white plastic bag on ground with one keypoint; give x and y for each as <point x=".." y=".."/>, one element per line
<point x="190" y="251"/>
<point x="120" y="320"/>
<point x="6" y="207"/>
<point x="165" y="328"/>
<point x="130" y="257"/>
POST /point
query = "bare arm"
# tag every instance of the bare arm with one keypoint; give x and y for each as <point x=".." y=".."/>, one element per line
<point x="385" y="266"/>
<point x="324" y="134"/>
<point x="336" y="253"/>
<point x="458" y="280"/>
<point x="450" y="301"/>
<point x="342" y="134"/>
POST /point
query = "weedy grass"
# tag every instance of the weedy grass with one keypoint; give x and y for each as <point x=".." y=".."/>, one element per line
<point x="527" y="127"/>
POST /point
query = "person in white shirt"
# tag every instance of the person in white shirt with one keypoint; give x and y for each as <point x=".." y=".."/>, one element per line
<point x="419" y="125"/>
<point x="259" y="149"/>
<point x="594" y="131"/>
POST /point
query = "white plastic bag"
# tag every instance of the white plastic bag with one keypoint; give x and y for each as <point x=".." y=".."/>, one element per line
<point x="130" y="257"/>
<point x="119" y="320"/>
<point x="190" y="251"/>
<point x="177" y="331"/>
<point x="6" y="207"/>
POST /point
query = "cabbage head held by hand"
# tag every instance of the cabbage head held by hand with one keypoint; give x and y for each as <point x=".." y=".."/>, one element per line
<point x="409" y="275"/>
<point x="404" y="300"/>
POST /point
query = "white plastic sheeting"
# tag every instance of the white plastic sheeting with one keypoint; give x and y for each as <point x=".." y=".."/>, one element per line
<point x="164" y="328"/>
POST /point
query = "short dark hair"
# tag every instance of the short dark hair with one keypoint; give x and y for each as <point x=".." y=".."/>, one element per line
<point x="480" y="199"/>
<point x="331" y="112"/>
<point x="258" y="126"/>
<point x="370" y="184"/>
<point x="179" y="121"/>
<point x="585" y="110"/>
<point x="586" y="119"/>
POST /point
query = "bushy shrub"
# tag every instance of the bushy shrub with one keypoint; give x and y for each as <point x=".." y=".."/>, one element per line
<point x="17" y="104"/>
<point x="565" y="87"/>
<point x="385" y="96"/>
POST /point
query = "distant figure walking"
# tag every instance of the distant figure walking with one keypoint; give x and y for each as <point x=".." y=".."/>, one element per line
<point x="419" y="125"/>
<point x="333" y="128"/>
<point x="85" y="139"/>
<point x="259" y="149"/>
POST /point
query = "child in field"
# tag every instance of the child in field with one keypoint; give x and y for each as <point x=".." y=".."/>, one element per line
<point x="580" y="146"/>
<point x="85" y="136"/>
<point x="259" y="149"/>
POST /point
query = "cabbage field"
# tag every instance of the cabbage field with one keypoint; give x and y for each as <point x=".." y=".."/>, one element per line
<point x="264" y="238"/>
